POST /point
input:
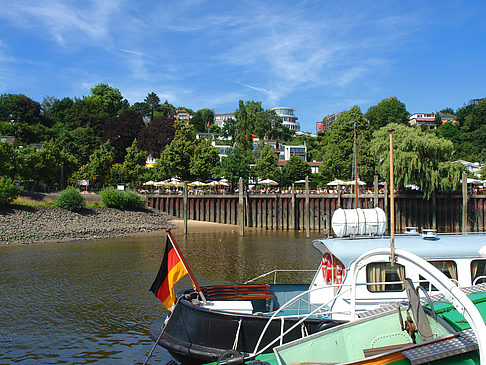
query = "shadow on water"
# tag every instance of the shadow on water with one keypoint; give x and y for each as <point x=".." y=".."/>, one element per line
<point x="86" y="302"/>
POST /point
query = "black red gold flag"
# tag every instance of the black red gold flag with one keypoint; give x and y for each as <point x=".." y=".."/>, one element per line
<point x="170" y="272"/>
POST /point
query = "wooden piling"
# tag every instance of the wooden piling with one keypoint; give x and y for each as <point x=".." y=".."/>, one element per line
<point x="375" y="188"/>
<point x="307" y="209"/>
<point x="241" y="208"/>
<point x="292" y="209"/>
<point x="464" y="202"/>
<point x="185" y="210"/>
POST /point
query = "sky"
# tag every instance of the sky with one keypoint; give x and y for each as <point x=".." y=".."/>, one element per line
<point x="320" y="57"/>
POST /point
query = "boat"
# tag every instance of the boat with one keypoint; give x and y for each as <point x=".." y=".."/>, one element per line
<point x="249" y="318"/>
<point x="447" y="328"/>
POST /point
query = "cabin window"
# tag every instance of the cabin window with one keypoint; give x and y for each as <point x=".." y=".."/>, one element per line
<point x="478" y="271"/>
<point x="448" y="268"/>
<point x="385" y="277"/>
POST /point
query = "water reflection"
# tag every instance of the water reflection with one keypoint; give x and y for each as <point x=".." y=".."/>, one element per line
<point x="86" y="302"/>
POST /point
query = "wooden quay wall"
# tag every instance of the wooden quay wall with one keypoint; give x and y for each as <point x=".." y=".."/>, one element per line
<point x="309" y="212"/>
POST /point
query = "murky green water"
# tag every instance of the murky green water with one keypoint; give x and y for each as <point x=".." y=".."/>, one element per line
<point x="88" y="302"/>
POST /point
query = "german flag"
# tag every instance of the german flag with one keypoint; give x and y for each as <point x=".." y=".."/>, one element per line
<point x="171" y="270"/>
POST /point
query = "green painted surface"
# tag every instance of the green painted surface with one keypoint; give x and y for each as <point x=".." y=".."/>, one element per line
<point x="454" y="318"/>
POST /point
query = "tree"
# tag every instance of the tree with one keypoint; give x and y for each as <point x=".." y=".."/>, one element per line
<point x="243" y="130"/>
<point x="80" y="143"/>
<point x="203" y="161"/>
<point x="214" y="128"/>
<point x="387" y="111"/>
<point x="122" y="130"/>
<point x="112" y="101"/>
<point x="420" y="158"/>
<point x="338" y="156"/>
<point x="202" y="119"/>
<point x="176" y="157"/>
<point x="143" y="108"/>
<point x="153" y="101"/>
<point x="156" y="135"/>
<point x="229" y="128"/>
<point x="8" y="160"/>
<point x="134" y="164"/>
<point x="266" y="162"/>
<point x="100" y="163"/>
<point x="295" y="169"/>
<point x="237" y="165"/>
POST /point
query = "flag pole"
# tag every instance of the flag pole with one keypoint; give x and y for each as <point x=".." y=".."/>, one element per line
<point x="195" y="285"/>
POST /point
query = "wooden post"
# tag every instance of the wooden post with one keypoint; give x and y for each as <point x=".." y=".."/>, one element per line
<point x="241" y="208"/>
<point x="464" y="202"/>
<point x="292" y="209"/>
<point x="339" y="196"/>
<point x="185" y="210"/>
<point x="375" y="188"/>
<point x="385" y="201"/>
<point x="307" y="209"/>
<point x="434" y="210"/>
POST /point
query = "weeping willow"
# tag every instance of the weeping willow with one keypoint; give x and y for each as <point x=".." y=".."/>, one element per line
<point x="420" y="158"/>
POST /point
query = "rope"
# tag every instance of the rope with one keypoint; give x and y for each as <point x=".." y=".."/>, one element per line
<point x="235" y="344"/>
<point x="155" y="344"/>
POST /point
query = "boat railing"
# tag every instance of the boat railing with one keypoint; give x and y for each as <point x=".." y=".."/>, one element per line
<point x="482" y="277"/>
<point x="274" y="273"/>
<point x="275" y="315"/>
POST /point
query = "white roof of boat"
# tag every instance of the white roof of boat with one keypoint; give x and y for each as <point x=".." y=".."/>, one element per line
<point x="445" y="246"/>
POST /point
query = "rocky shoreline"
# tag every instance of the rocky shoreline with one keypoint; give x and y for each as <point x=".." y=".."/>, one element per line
<point x="24" y="225"/>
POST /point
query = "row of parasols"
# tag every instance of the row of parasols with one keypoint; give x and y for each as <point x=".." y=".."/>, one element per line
<point x="174" y="182"/>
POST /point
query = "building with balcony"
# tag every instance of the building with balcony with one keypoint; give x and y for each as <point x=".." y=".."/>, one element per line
<point x="289" y="119"/>
<point x="220" y="119"/>
<point x="427" y="119"/>
<point x="182" y="115"/>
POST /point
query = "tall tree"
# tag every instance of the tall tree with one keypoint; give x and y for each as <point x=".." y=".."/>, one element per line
<point x="266" y="162"/>
<point x="204" y="160"/>
<point x="153" y="101"/>
<point x="243" y="131"/>
<point x="112" y="101"/>
<point x="8" y="160"/>
<point x="338" y="156"/>
<point x="420" y="158"/>
<point x="295" y="169"/>
<point x="122" y="130"/>
<point x="99" y="165"/>
<point x="134" y="164"/>
<point x="202" y="120"/>
<point x="176" y="157"/>
<point x="156" y="135"/>
<point x="387" y="111"/>
<point x="237" y="165"/>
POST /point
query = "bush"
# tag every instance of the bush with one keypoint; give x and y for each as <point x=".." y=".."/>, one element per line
<point x="114" y="198"/>
<point x="8" y="191"/>
<point x="70" y="199"/>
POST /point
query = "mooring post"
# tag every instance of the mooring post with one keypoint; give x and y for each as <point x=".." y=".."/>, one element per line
<point x="375" y="188"/>
<point x="339" y="196"/>
<point x="434" y="210"/>
<point x="385" y="201"/>
<point x="292" y="208"/>
<point x="241" y="208"/>
<point x="464" y="202"/>
<point x="307" y="208"/>
<point x="186" y="211"/>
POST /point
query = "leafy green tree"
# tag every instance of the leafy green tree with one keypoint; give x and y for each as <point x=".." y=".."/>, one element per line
<point x="213" y="128"/>
<point x="203" y="161"/>
<point x="176" y="157"/>
<point x="8" y="191"/>
<point x="472" y="133"/>
<point x="237" y="165"/>
<point x="295" y="169"/>
<point x="143" y="108"/>
<point x="122" y="130"/>
<point x="111" y="99"/>
<point x="164" y="109"/>
<point x="387" y="111"/>
<point x="99" y="165"/>
<point x="8" y="160"/>
<point x="266" y="162"/>
<point x="449" y="131"/>
<point x="202" y="119"/>
<point x="134" y="165"/>
<point x="243" y="129"/>
<point x="338" y="156"/>
<point x="420" y="158"/>
<point x="20" y="108"/>
<point x="80" y="143"/>
<point x="156" y="135"/>
<point x="229" y="128"/>
<point x="153" y="101"/>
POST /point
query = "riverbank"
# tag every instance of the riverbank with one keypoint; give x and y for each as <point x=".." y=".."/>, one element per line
<point x="25" y="225"/>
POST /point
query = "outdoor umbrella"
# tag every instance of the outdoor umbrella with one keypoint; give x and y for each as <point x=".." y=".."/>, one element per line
<point x="336" y="182"/>
<point x="299" y="182"/>
<point x="267" y="182"/>
<point x="197" y="183"/>
<point x="149" y="183"/>
<point x="353" y="182"/>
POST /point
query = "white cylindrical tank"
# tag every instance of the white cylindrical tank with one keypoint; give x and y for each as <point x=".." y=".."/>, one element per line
<point x="358" y="222"/>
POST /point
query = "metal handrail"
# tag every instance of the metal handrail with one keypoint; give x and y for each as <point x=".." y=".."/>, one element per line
<point x="274" y="272"/>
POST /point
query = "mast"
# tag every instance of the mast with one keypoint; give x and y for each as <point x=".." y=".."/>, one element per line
<point x="392" y="202"/>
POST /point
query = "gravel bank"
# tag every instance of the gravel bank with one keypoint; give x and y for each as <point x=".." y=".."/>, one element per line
<point x="21" y="224"/>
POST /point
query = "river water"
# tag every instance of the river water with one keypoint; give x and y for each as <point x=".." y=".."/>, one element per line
<point x="88" y="302"/>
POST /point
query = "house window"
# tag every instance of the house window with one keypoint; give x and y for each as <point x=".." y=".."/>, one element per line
<point x="382" y="277"/>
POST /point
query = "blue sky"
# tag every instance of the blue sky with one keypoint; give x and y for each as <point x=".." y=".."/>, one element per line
<point x="320" y="57"/>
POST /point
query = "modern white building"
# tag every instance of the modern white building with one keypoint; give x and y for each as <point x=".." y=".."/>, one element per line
<point x="220" y="119"/>
<point x="288" y="117"/>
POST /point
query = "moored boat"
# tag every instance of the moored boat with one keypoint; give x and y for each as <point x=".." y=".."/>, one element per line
<point x="249" y="317"/>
